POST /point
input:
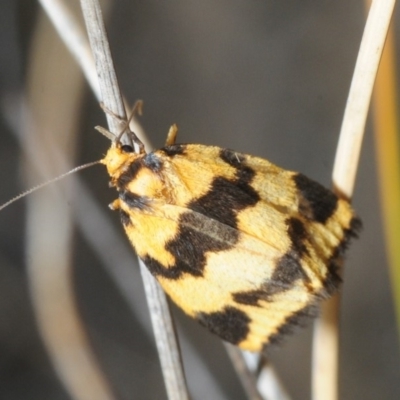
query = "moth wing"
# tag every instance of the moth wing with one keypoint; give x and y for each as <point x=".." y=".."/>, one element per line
<point x="239" y="287"/>
<point x="241" y="245"/>
<point x="283" y="209"/>
<point x="304" y="223"/>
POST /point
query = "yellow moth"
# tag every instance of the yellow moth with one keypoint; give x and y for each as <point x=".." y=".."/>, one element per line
<point x="241" y="245"/>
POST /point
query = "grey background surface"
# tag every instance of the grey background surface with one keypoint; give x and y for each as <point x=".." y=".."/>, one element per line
<point x="269" y="78"/>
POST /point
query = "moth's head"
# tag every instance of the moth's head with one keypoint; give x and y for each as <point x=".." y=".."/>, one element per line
<point x="118" y="156"/>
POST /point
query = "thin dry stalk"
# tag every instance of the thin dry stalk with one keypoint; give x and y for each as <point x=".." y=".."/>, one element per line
<point x="247" y="377"/>
<point x="168" y="350"/>
<point x="269" y="385"/>
<point x="325" y="351"/>
<point x="74" y="37"/>
<point x="49" y="226"/>
<point x="355" y="115"/>
<point x="257" y="375"/>
<point x="166" y="338"/>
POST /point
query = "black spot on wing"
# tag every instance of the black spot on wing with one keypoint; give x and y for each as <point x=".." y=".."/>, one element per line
<point x="133" y="200"/>
<point x="221" y="202"/>
<point x="250" y="297"/>
<point x="244" y="175"/>
<point x="174" y="149"/>
<point x="169" y="272"/>
<point x="125" y="219"/>
<point x="317" y="202"/>
<point x="226" y="197"/>
<point x="196" y="236"/>
<point x="288" y="270"/>
<point x="298" y="319"/>
<point x="298" y="235"/>
<point x="230" y="324"/>
<point x="130" y="174"/>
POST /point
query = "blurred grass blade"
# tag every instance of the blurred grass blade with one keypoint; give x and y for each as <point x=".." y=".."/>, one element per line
<point x="386" y="125"/>
<point x="326" y="329"/>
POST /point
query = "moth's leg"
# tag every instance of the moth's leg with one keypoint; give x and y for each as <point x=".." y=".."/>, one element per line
<point x="105" y="132"/>
<point x="136" y="109"/>
<point x="115" y="205"/>
<point x="171" y="137"/>
<point x="111" y="113"/>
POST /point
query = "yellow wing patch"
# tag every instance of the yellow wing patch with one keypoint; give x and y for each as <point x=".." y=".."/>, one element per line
<point x="241" y="245"/>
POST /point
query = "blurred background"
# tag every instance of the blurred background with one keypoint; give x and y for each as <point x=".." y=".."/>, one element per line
<point x="267" y="78"/>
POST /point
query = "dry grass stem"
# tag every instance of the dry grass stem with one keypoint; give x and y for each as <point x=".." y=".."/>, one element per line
<point x="166" y="339"/>
<point x="73" y="35"/>
<point x="355" y="115"/>
<point x="112" y="99"/>
<point x="269" y="384"/>
<point x="257" y="376"/>
<point x="247" y="377"/>
<point x="325" y="344"/>
<point x="49" y="226"/>
<point x="110" y="94"/>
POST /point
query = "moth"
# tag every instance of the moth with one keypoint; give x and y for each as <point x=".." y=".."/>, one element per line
<point x="244" y="247"/>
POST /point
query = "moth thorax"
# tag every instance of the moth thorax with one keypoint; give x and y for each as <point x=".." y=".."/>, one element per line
<point x="117" y="160"/>
<point x="147" y="183"/>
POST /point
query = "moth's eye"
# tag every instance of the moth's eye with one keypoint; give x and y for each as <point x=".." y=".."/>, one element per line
<point x="127" y="149"/>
